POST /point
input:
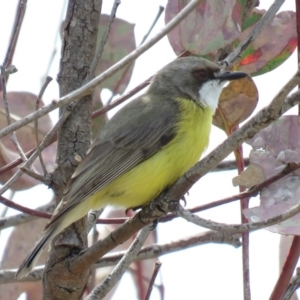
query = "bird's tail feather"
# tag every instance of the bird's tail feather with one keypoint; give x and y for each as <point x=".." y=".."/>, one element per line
<point x="55" y="226"/>
<point x="31" y="260"/>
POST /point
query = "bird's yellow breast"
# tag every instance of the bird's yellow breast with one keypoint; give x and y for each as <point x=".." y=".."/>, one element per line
<point x="147" y="180"/>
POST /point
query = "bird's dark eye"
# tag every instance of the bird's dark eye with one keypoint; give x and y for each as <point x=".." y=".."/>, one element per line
<point x="201" y="74"/>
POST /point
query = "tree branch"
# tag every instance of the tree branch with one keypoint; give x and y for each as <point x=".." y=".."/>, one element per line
<point x="149" y="252"/>
<point x="102" y="290"/>
<point x="233" y="57"/>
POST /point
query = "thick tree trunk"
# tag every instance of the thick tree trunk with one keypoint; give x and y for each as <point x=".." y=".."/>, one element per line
<point x="78" y="50"/>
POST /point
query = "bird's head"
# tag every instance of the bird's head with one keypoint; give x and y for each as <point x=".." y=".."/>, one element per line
<point x="193" y="78"/>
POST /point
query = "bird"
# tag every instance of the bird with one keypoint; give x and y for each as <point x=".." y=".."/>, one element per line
<point x="144" y="148"/>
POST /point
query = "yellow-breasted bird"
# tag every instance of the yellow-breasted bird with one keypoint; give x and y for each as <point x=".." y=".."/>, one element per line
<point x="145" y="147"/>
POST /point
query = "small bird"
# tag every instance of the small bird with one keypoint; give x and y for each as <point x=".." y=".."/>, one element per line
<point x="144" y="148"/>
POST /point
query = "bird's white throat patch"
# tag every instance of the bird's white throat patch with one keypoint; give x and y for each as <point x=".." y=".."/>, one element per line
<point x="210" y="92"/>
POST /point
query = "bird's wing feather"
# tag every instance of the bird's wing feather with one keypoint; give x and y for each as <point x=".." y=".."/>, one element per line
<point x="131" y="140"/>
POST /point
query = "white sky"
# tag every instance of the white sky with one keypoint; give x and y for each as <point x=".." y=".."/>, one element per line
<point x="207" y="272"/>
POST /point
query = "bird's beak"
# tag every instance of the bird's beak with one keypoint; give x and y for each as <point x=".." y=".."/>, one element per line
<point x="230" y="76"/>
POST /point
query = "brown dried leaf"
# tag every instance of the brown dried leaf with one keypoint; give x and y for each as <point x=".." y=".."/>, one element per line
<point x="236" y="104"/>
<point x="20" y="105"/>
<point x="252" y="176"/>
<point x="120" y="43"/>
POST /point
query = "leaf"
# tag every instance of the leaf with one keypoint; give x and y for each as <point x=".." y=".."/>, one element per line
<point x="213" y="25"/>
<point x="20" y="105"/>
<point x="274" y="45"/>
<point x="237" y="102"/>
<point x="274" y="147"/>
<point x="250" y="177"/>
<point x="120" y="43"/>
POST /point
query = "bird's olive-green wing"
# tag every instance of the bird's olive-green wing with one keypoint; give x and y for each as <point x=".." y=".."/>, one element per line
<point x="135" y="133"/>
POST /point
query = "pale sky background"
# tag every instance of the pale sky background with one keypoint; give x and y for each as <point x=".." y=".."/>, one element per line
<point x="207" y="272"/>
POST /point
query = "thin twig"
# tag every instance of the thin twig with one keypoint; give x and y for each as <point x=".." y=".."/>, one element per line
<point x="104" y="38"/>
<point x="101" y="290"/>
<point x="293" y="286"/>
<point x="92" y="281"/>
<point x="238" y="228"/>
<point x="152" y="280"/>
<point x="247" y="194"/>
<point x="45" y="142"/>
<point x="228" y="165"/>
<point x="121" y="99"/>
<point x="19" y="219"/>
<point x="88" y="87"/>
<point x="287" y="270"/>
<point x="7" y="113"/>
<point x="35" y="175"/>
<point x="24" y="209"/>
<point x="160" y="11"/>
<point x="4" y="211"/>
<point x="8" y="275"/>
<point x="15" y="32"/>
<point x="157" y="250"/>
<point x="57" y="37"/>
<point x="234" y="56"/>
<point x="15" y="162"/>
<point x="36" y="131"/>
<point x="250" y="5"/>
<point x="244" y="204"/>
<point x="253" y="191"/>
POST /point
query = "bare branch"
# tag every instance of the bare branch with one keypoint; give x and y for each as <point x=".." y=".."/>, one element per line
<point x="160" y="11"/>
<point x="121" y="99"/>
<point x="15" y="163"/>
<point x="34" y="175"/>
<point x="136" y="89"/>
<point x="149" y="252"/>
<point x="152" y="280"/>
<point x="265" y="19"/>
<point x="104" y="38"/>
<point x="247" y="194"/>
<point x="7" y="113"/>
<point x="8" y="275"/>
<point x="23" y="209"/>
<point x="15" y="32"/>
<point x="101" y="290"/>
<point x="293" y="286"/>
<point x="228" y="165"/>
<point x="47" y="81"/>
<point x="19" y="219"/>
<point x="45" y="142"/>
<point x="238" y="228"/>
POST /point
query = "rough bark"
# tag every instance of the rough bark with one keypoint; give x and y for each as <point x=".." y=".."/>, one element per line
<point x="78" y="50"/>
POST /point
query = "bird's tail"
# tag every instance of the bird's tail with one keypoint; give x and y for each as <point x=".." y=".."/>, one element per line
<point x="31" y="260"/>
<point x="61" y="219"/>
